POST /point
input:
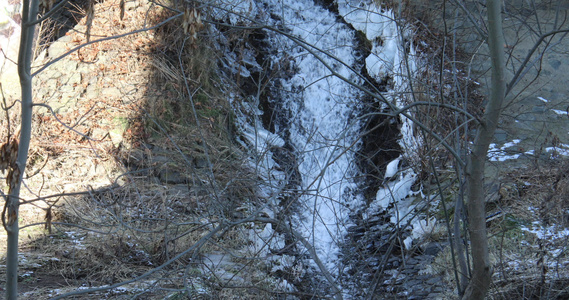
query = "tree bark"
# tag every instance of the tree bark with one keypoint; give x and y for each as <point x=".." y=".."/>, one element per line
<point x="11" y="210"/>
<point x="481" y="276"/>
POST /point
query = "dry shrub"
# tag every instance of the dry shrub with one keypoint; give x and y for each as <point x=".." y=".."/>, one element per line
<point x="185" y="75"/>
<point x="188" y="110"/>
<point x="528" y="246"/>
<point x="528" y="243"/>
<point x="543" y="189"/>
<point x="116" y="232"/>
<point x="530" y="288"/>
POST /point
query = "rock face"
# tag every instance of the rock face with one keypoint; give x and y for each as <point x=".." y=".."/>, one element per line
<point x="9" y="43"/>
<point x="377" y="257"/>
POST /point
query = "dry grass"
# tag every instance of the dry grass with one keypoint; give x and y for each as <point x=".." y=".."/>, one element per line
<point x="528" y="242"/>
<point x="168" y="118"/>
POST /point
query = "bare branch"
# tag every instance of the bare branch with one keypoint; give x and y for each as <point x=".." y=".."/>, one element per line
<point x="522" y="67"/>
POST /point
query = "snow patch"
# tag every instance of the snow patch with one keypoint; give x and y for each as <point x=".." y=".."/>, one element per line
<point x="496" y="153"/>
<point x="387" y="58"/>
<point x="392" y="168"/>
<point x="394" y="192"/>
<point x="559" y="112"/>
<point x="323" y="131"/>
<point x="322" y="128"/>
<point x="557" y="151"/>
<point x="377" y="26"/>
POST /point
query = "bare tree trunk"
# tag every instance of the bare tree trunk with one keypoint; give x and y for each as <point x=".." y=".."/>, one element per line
<point x="11" y="210"/>
<point x="481" y="276"/>
<point x="459" y="246"/>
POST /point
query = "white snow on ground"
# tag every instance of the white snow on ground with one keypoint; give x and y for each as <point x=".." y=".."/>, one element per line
<point x="496" y="153"/>
<point x="260" y="141"/>
<point x="553" y="242"/>
<point x="388" y="59"/>
<point x="130" y="288"/>
<point x="323" y="128"/>
<point x="550" y="233"/>
<point x="394" y="192"/>
<point x="559" y="112"/>
<point x="543" y="99"/>
<point x="366" y="17"/>
<point x="392" y="168"/>
<point x="558" y="150"/>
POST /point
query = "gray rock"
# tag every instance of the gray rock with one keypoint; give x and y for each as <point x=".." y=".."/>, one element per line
<point x="63" y="105"/>
<point x="420" y="292"/>
<point x="86" y="69"/>
<point x="98" y="133"/>
<point x="423" y="277"/>
<point x="92" y="92"/>
<point x="66" y="89"/>
<point x="199" y="191"/>
<point x="135" y="158"/>
<point x="52" y="74"/>
<point x="412" y="261"/>
<point x="434" y="280"/>
<point x="500" y="135"/>
<point x="413" y="283"/>
<point x="555" y="63"/>
<point x="523" y="125"/>
<point x="57" y="49"/>
<point x="539" y="109"/>
<point x="111" y="92"/>
<point x="74" y="79"/>
<point x="433" y="248"/>
<point x="131" y="5"/>
<point x="400" y="278"/>
<point x="68" y="67"/>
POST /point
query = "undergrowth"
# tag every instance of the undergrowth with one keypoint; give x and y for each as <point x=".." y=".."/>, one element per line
<point x="170" y="174"/>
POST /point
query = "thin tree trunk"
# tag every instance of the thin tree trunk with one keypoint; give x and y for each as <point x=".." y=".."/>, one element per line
<point x="458" y="242"/>
<point x="481" y="276"/>
<point x="11" y="211"/>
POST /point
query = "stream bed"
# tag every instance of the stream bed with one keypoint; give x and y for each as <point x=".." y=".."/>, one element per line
<point x="332" y="159"/>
